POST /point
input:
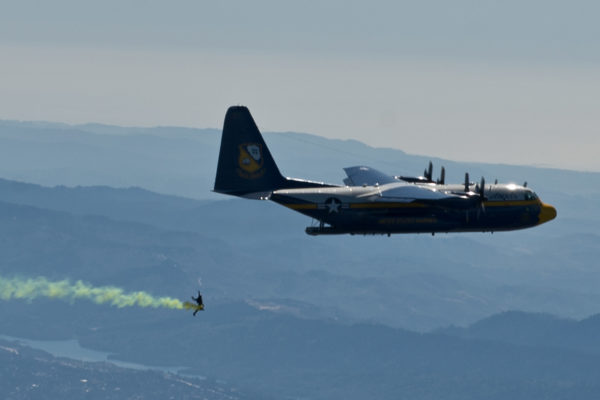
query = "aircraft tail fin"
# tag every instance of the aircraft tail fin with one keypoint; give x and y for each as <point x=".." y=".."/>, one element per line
<point x="246" y="167"/>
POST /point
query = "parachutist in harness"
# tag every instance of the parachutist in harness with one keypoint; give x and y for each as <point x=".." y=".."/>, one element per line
<point x="198" y="300"/>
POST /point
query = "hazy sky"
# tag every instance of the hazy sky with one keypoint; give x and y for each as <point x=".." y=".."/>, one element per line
<point x="499" y="81"/>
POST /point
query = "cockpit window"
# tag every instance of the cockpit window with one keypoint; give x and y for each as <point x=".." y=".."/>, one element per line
<point x="530" y="196"/>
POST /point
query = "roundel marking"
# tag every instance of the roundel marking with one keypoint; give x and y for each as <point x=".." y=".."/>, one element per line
<point x="333" y="205"/>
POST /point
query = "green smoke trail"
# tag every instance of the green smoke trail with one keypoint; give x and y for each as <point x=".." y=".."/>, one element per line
<point x="32" y="288"/>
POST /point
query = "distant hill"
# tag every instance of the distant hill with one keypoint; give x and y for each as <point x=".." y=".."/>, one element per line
<point x="182" y="161"/>
<point x="241" y="249"/>
<point x="535" y="329"/>
<point x="130" y="204"/>
<point x="33" y="374"/>
<point x="289" y="357"/>
<point x="293" y="316"/>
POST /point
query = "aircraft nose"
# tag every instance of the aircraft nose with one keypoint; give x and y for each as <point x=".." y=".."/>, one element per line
<point x="547" y="213"/>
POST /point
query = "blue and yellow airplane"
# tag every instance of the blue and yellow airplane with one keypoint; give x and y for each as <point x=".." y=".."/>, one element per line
<point x="371" y="202"/>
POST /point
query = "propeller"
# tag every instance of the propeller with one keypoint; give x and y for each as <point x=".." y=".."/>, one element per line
<point x="477" y="196"/>
<point x="428" y="173"/>
<point x="479" y="190"/>
<point x="480" y="193"/>
<point x="442" y="180"/>
<point x="482" y="189"/>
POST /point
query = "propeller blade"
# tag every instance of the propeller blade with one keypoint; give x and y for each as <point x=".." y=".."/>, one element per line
<point x="429" y="172"/>
<point x="482" y="198"/>
<point x="442" y="180"/>
<point x="482" y="188"/>
<point x="466" y="181"/>
<point x="525" y="184"/>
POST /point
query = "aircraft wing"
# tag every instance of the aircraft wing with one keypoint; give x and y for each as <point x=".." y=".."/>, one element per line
<point x="361" y="175"/>
<point x="406" y="192"/>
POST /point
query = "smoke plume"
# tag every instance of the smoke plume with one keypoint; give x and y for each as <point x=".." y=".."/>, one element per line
<point x="33" y="288"/>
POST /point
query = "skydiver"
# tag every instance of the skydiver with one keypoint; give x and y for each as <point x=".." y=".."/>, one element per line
<point x="199" y="301"/>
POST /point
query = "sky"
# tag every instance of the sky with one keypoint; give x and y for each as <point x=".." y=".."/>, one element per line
<point x="514" y="82"/>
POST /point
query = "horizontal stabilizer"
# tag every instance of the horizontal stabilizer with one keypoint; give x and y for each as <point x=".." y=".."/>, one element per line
<point x="361" y="175"/>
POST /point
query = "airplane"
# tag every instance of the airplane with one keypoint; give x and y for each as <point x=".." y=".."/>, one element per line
<point x="370" y="201"/>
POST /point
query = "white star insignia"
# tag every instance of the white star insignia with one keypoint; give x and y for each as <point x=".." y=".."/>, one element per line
<point x="333" y="205"/>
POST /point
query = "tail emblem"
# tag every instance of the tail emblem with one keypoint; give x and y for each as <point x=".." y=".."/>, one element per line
<point x="251" y="161"/>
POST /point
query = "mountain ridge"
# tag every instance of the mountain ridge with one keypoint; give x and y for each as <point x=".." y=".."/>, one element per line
<point x="182" y="161"/>
<point x="290" y="315"/>
<point x="414" y="281"/>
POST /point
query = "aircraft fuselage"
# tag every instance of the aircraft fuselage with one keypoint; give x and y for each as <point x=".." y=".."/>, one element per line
<point x="367" y="210"/>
